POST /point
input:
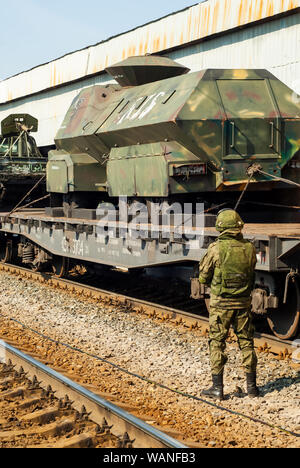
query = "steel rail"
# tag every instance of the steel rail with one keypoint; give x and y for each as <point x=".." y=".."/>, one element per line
<point x="262" y="341"/>
<point x="142" y="434"/>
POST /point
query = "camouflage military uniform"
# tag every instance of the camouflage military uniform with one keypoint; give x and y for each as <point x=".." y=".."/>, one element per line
<point x="226" y="308"/>
<point x="228" y="268"/>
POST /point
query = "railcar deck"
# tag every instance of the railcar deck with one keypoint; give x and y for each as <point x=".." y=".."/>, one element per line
<point x="250" y="229"/>
<point x="102" y="242"/>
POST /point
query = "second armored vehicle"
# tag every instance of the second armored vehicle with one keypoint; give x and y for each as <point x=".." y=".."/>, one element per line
<point x="21" y="163"/>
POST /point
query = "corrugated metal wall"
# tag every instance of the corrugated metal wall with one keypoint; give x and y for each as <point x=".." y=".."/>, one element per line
<point x="274" y="45"/>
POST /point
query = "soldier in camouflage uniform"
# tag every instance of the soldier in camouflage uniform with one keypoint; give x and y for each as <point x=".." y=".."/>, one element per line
<point x="228" y="268"/>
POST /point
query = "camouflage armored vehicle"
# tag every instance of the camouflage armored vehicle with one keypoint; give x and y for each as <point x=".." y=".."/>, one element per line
<point x="159" y="135"/>
<point x="21" y="163"/>
<point x="167" y="134"/>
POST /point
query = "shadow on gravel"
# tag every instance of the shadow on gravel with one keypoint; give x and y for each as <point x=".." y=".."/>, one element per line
<point x="279" y="384"/>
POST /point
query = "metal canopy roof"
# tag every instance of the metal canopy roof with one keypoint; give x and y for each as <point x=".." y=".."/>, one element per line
<point x="196" y="23"/>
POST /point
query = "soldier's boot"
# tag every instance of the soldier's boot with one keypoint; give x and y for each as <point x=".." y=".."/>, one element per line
<point x="216" y="391"/>
<point x="252" y="388"/>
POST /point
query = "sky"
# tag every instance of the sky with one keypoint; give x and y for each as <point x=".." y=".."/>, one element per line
<point x="37" y="31"/>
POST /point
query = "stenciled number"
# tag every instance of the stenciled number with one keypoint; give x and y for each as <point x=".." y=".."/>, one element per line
<point x="143" y="110"/>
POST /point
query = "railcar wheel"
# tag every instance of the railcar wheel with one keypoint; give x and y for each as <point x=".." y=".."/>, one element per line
<point x="60" y="266"/>
<point x="284" y="321"/>
<point x="6" y="251"/>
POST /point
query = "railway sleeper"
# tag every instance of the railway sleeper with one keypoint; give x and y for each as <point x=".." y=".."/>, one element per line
<point x="29" y="402"/>
<point x="41" y="419"/>
<point x="84" y="440"/>
<point x="54" y="429"/>
<point x="13" y="393"/>
<point x="43" y="416"/>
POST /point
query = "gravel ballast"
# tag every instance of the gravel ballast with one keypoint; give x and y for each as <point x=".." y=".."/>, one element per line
<point x="169" y="355"/>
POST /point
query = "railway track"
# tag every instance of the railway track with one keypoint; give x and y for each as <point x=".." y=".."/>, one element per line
<point x="38" y="346"/>
<point x="43" y="408"/>
<point x="263" y="342"/>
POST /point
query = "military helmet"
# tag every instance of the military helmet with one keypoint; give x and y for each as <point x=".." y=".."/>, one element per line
<point x="228" y="219"/>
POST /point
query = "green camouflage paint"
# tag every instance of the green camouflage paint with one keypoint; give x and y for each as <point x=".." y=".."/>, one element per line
<point x="223" y="119"/>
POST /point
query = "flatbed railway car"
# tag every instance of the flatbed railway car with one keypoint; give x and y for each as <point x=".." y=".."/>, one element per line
<point x="37" y="239"/>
